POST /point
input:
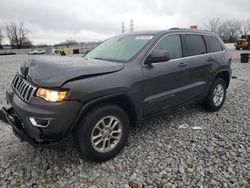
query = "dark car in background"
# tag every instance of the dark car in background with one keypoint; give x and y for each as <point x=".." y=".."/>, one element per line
<point x="95" y="99"/>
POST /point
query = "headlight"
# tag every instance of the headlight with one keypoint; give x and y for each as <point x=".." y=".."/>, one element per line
<point x="51" y="95"/>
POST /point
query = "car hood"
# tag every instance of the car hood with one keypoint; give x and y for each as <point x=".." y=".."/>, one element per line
<point x="55" y="71"/>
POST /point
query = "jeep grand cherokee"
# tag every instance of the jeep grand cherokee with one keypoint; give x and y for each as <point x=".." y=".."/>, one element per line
<point x="96" y="98"/>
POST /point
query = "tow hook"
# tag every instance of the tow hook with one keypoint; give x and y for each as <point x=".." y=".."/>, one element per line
<point x="3" y="117"/>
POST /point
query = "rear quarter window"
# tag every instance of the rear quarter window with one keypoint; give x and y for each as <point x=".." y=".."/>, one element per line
<point x="193" y="45"/>
<point x="213" y="44"/>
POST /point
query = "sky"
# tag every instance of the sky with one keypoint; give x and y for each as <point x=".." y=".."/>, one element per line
<point x="54" y="21"/>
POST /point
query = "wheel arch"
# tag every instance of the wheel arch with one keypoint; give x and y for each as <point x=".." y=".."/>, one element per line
<point x="120" y="99"/>
<point x="225" y="75"/>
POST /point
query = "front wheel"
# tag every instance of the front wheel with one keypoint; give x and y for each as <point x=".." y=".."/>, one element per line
<point x="102" y="133"/>
<point x="216" y="97"/>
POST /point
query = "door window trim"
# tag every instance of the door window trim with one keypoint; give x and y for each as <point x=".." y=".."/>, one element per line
<point x="181" y="33"/>
<point x="200" y="35"/>
<point x="168" y="36"/>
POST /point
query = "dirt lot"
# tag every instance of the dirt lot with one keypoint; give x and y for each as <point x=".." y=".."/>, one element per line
<point x="159" y="153"/>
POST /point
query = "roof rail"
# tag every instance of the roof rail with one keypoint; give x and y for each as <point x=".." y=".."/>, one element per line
<point x="174" y="28"/>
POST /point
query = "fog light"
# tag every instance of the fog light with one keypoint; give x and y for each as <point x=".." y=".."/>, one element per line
<point x="39" y="122"/>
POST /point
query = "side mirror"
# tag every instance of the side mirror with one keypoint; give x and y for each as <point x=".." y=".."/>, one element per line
<point x="157" y="56"/>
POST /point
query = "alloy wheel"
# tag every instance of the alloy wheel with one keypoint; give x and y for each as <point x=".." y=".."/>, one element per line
<point x="218" y="95"/>
<point x="106" y="134"/>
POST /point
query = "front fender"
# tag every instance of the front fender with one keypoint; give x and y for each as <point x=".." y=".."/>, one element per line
<point x="134" y="110"/>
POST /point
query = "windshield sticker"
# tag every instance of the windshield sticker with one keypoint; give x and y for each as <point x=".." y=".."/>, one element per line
<point x="146" y="37"/>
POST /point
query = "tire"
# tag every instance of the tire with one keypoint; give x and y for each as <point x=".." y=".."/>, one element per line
<point x="210" y="102"/>
<point x="90" y="127"/>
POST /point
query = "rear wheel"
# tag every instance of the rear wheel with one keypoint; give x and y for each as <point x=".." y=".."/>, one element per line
<point x="216" y="96"/>
<point x="102" y="133"/>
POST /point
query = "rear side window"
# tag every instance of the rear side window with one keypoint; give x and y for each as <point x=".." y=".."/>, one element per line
<point x="171" y="43"/>
<point x="193" y="45"/>
<point x="213" y="44"/>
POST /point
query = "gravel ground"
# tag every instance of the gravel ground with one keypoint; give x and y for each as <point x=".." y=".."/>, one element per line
<point x="159" y="152"/>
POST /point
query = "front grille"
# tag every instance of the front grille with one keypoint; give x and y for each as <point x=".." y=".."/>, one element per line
<point x="22" y="88"/>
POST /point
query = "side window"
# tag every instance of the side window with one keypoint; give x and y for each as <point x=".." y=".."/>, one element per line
<point x="213" y="44"/>
<point x="172" y="44"/>
<point x="193" y="45"/>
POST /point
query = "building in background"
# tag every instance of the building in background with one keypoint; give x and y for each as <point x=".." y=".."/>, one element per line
<point x="79" y="48"/>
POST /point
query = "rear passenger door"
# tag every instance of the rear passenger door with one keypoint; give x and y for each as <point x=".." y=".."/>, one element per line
<point x="199" y="64"/>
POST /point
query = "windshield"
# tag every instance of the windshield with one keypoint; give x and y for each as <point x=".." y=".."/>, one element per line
<point x="120" y="48"/>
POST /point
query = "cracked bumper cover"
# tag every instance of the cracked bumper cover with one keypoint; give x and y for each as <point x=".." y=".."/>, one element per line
<point x="61" y="116"/>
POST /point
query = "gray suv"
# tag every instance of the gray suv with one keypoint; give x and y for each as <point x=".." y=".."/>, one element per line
<point x="96" y="98"/>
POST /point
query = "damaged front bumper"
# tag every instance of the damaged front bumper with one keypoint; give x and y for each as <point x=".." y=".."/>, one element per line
<point x="8" y="116"/>
<point x="59" y="117"/>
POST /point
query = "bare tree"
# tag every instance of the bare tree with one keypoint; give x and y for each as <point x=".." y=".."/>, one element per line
<point x="17" y="35"/>
<point x="42" y="45"/>
<point x="213" y="25"/>
<point x="67" y="43"/>
<point x="248" y="24"/>
<point x="230" y="30"/>
<point x="245" y="28"/>
<point x="1" y="37"/>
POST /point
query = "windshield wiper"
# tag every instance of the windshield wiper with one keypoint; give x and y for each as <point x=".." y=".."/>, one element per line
<point x="113" y="60"/>
<point x="100" y="58"/>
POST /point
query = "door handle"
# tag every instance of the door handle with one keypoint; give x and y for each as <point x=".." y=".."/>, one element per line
<point x="182" y="65"/>
<point x="211" y="59"/>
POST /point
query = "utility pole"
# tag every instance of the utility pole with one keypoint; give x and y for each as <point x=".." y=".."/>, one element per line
<point x="123" y="28"/>
<point x="131" y="25"/>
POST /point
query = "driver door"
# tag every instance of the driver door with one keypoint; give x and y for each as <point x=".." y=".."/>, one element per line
<point x="165" y="82"/>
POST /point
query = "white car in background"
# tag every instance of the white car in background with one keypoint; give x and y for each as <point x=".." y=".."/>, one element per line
<point x="37" y="52"/>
